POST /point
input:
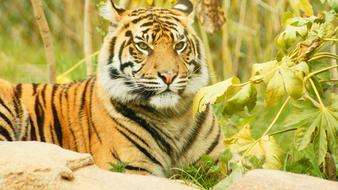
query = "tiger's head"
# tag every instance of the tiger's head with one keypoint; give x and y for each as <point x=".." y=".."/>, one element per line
<point x="152" y="56"/>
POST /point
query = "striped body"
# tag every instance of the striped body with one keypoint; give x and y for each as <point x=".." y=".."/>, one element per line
<point x="138" y="110"/>
<point x="79" y="117"/>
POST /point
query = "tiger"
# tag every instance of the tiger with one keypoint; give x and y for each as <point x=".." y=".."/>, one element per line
<point x="137" y="110"/>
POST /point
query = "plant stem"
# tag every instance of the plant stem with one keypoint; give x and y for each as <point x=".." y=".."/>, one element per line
<point x="269" y="128"/>
<point x="77" y="65"/>
<point x="331" y="80"/>
<point x="314" y="102"/>
<point x="323" y="55"/>
<point x="276" y="117"/>
<point x="334" y="72"/>
<point x="317" y="94"/>
<point x="319" y="71"/>
<point x="283" y="131"/>
<point x="330" y="39"/>
<point x="241" y="84"/>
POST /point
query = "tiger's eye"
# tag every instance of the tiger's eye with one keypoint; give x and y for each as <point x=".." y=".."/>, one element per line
<point x="142" y="45"/>
<point x="179" y="46"/>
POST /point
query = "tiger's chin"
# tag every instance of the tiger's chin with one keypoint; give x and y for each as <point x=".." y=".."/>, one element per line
<point x="165" y="100"/>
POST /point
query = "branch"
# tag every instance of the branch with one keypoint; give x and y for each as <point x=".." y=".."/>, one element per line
<point x="319" y="71"/>
<point x="334" y="71"/>
<point x="87" y="37"/>
<point x="269" y="128"/>
<point x="76" y="65"/>
<point x="322" y="106"/>
<point x="323" y="55"/>
<point x="46" y="38"/>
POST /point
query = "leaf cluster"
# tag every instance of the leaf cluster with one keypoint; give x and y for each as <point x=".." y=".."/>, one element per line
<point x="309" y="108"/>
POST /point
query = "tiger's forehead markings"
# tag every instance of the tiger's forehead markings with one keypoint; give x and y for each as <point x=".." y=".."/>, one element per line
<point x="154" y="13"/>
<point x="138" y="12"/>
<point x="156" y="24"/>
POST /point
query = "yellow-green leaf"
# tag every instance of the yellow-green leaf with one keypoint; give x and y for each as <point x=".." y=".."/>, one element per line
<point x="241" y="141"/>
<point x="266" y="70"/>
<point x="301" y="69"/>
<point x="321" y="143"/>
<point x="293" y="84"/>
<point x="266" y="149"/>
<point x="284" y="77"/>
<point x="275" y="89"/>
<point x="246" y="96"/>
<point x="289" y="36"/>
<point x="308" y="134"/>
<point x="209" y="94"/>
<point x="269" y="149"/>
<point x="331" y="130"/>
<point x="299" y="135"/>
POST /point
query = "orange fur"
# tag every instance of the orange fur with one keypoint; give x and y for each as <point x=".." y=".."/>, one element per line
<point x="127" y="113"/>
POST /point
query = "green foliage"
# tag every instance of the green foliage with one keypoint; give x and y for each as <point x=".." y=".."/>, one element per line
<point x="318" y="126"/>
<point x="332" y="3"/>
<point x="283" y="77"/>
<point x="310" y="120"/>
<point x="119" y="167"/>
<point x="233" y="96"/>
<point x="263" y="153"/>
<point x="205" y="174"/>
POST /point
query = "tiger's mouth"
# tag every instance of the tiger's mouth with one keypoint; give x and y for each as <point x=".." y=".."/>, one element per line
<point x="157" y="88"/>
<point x="148" y="92"/>
<point x="166" y="99"/>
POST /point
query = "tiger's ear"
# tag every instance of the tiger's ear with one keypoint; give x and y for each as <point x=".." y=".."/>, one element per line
<point x="111" y="12"/>
<point x="184" y="6"/>
<point x="187" y="8"/>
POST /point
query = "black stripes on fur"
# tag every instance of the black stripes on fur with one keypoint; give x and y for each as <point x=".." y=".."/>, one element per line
<point x="141" y="149"/>
<point x="56" y="122"/>
<point x="112" y="50"/>
<point x="40" y="117"/>
<point x="215" y="142"/>
<point x="130" y="114"/>
<point x="2" y="103"/>
<point x="6" y="120"/>
<point x="196" y="129"/>
<point x="91" y="125"/>
<point x="5" y="134"/>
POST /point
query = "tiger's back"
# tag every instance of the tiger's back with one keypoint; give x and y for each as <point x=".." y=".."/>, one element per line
<point x="137" y="110"/>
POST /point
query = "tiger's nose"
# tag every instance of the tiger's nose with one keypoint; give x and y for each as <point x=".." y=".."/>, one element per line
<point x="167" y="76"/>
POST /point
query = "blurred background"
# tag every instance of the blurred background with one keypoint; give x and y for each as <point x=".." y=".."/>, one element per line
<point x="247" y="36"/>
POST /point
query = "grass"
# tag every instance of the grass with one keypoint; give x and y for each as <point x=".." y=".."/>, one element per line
<point x="205" y="174"/>
<point x="22" y="62"/>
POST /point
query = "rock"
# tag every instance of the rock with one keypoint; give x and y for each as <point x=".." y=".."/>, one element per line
<point x="42" y="166"/>
<point x="279" y="180"/>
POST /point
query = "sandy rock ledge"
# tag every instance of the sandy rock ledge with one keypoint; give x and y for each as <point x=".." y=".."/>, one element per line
<point x="42" y="166"/>
<point x="278" y="180"/>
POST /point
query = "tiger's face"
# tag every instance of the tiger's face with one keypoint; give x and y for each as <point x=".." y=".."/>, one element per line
<point x="151" y="56"/>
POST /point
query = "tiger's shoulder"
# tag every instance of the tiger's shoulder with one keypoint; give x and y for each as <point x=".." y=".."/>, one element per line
<point x="6" y="88"/>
